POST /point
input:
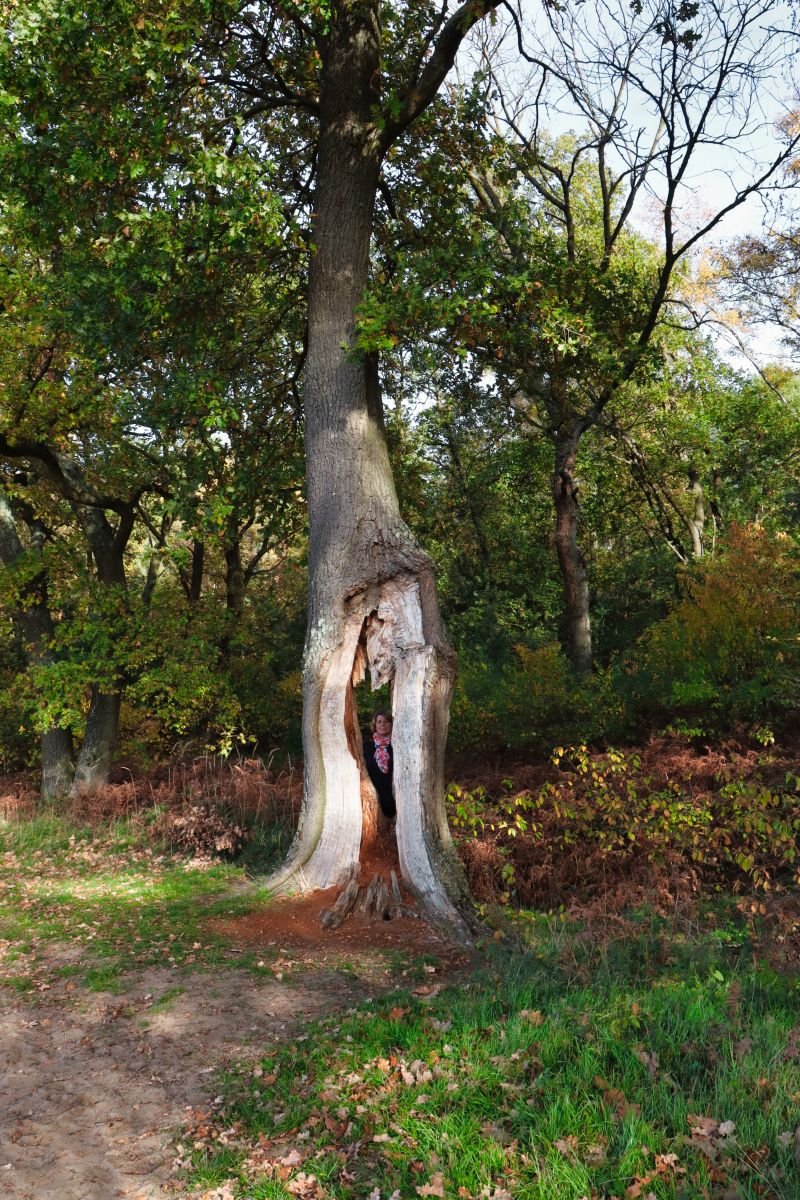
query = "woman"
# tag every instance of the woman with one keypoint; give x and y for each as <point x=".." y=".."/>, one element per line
<point x="379" y="759"/>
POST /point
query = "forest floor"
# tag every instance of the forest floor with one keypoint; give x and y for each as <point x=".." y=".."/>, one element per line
<point x="167" y="1031"/>
<point x="129" y="979"/>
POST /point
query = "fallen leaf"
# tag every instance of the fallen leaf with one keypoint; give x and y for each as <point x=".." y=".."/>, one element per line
<point x="648" y="1060"/>
<point x="292" y="1159"/>
<point x="305" y="1186"/>
<point x="337" y="1128"/>
<point x="434" y="1188"/>
<point x="792" y="1140"/>
<point x="705" y="1126"/>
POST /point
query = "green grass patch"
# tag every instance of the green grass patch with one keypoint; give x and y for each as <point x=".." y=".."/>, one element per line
<point x="166" y="998"/>
<point x="18" y="983"/>
<point x="664" y="1064"/>
<point x="124" y="903"/>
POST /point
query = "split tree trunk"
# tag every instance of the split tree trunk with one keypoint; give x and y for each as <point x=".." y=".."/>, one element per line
<point x="372" y="596"/>
<point x="570" y="557"/>
<point x="34" y="626"/>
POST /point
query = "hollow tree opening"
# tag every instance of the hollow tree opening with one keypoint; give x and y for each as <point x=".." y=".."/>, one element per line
<point x="391" y="630"/>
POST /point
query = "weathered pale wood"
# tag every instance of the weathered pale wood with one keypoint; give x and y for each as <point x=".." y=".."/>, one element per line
<point x="405" y="647"/>
<point x="374" y="899"/>
<point x="366" y="902"/>
<point x="332" y="918"/>
<point x="396" y="894"/>
<point x="381" y="906"/>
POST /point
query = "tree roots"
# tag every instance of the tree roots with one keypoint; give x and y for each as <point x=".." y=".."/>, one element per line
<point x="374" y="900"/>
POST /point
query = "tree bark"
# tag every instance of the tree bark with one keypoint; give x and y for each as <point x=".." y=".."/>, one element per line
<point x="697" y="519"/>
<point x="198" y="565"/>
<point x="372" y="596"/>
<point x="34" y="626"/>
<point x="235" y="586"/>
<point x="96" y="755"/>
<point x="570" y="557"/>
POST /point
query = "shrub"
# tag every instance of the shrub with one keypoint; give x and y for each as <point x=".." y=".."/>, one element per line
<point x="534" y="700"/>
<point x="204" y="832"/>
<point x="730" y="649"/>
<point x="600" y="822"/>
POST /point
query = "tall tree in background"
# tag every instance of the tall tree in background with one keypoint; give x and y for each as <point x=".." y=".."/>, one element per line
<point x="545" y="270"/>
<point x="153" y="313"/>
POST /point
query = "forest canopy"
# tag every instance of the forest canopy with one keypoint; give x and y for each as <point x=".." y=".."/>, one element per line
<point x="610" y="498"/>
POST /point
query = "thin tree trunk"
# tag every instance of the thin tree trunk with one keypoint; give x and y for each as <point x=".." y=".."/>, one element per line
<point x="96" y="755"/>
<point x="34" y="625"/>
<point x="697" y="520"/>
<point x="372" y="597"/>
<point x="198" y="565"/>
<point x="570" y="557"/>
<point x="235" y="587"/>
<point x="469" y="500"/>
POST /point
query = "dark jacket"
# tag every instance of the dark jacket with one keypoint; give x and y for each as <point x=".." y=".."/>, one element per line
<point x="381" y="782"/>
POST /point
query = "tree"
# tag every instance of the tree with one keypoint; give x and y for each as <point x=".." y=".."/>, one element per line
<point x="145" y="355"/>
<point x="372" y="593"/>
<point x="34" y="625"/>
<point x="544" y="271"/>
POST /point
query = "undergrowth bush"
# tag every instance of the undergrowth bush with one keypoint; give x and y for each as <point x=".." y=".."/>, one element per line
<point x="730" y="649"/>
<point x="602" y="825"/>
<point x="204" y="832"/>
<point x="533" y="700"/>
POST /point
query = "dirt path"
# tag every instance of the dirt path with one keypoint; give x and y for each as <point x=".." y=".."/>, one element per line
<point x="95" y="1085"/>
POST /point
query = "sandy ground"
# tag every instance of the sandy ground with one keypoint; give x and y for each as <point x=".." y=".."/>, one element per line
<point x="95" y="1086"/>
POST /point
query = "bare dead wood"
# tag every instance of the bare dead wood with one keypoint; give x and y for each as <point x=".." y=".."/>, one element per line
<point x="375" y="899"/>
<point x="381" y="906"/>
<point x="396" y="894"/>
<point x="396" y="906"/>
<point x="332" y="918"/>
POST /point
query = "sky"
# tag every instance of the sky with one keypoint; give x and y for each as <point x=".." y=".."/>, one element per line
<point x="742" y="137"/>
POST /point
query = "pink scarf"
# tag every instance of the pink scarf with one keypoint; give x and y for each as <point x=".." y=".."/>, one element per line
<point x="382" y="745"/>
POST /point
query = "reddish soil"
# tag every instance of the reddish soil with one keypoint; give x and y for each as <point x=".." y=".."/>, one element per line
<point x="296" y="922"/>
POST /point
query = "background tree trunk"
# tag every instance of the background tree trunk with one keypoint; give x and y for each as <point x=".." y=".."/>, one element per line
<point x="570" y="557"/>
<point x="34" y="626"/>
<point x="96" y="755"/>
<point x="372" y="598"/>
<point x="99" y="744"/>
<point x="697" y="519"/>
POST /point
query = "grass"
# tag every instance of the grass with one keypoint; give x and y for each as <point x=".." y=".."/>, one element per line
<point x="667" y="1076"/>
<point x="118" y="902"/>
<point x="648" y="1059"/>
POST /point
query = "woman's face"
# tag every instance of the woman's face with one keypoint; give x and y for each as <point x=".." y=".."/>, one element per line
<point x="383" y="726"/>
